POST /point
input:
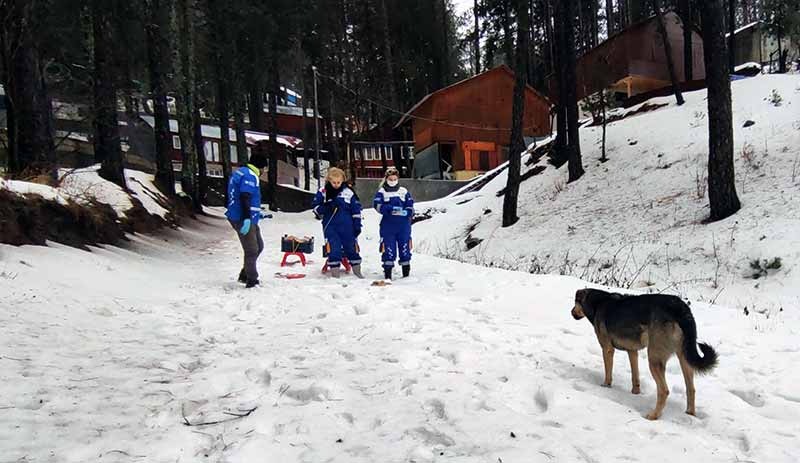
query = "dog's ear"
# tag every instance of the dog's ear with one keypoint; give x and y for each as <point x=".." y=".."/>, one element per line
<point x="580" y="295"/>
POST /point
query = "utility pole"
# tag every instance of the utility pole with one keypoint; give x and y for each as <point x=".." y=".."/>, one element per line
<point x="316" y="130"/>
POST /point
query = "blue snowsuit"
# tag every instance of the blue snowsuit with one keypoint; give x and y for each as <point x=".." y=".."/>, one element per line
<point x="244" y="202"/>
<point x="397" y="208"/>
<point x="244" y="184"/>
<point x="340" y="212"/>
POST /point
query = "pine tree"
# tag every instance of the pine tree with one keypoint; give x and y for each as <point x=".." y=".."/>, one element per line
<point x="186" y="101"/>
<point x="107" y="149"/>
<point x="721" y="179"/>
<point x="662" y="30"/>
<point x="517" y="142"/>
<point x="159" y="52"/>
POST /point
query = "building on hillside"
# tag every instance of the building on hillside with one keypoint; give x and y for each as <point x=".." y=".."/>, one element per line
<point x="373" y="151"/>
<point x="633" y="62"/>
<point x="290" y="120"/>
<point x="288" y="171"/>
<point x="463" y="130"/>
<point x="754" y="43"/>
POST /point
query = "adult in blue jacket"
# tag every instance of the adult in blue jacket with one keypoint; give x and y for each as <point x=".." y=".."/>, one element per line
<point x="337" y="205"/>
<point x="243" y="213"/>
<point x="396" y="207"/>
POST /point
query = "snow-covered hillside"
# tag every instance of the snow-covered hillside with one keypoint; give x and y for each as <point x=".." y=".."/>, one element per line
<point x="636" y="220"/>
<point x="121" y="355"/>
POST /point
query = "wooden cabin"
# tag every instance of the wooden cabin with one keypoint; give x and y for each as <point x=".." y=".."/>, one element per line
<point x="633" y="61"/>
<point x="754" y="43"/>
<point x="463" y="130"/>
<point x="371" y="152"/>
<point x="290" y="120"/>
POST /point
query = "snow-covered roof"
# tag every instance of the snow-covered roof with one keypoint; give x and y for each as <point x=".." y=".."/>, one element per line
<point x="291" y="110"/>
<point x="744" y="28"/>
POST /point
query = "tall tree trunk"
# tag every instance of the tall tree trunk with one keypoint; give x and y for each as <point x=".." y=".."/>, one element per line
<point x="570" y="82"/>
<point x="242" y="157"/>
<point x="199" y="148"/>
<point x="330" y="135"/>
<point x="186" y="102"/>
<point x="107" y="149"/>
<point x="721" y="179"/>
<point x="445" y="53"/>
<point x="477" y="43"/>
<point x="731" y="36"/>
<point x="610" y="25"/>
<point x="562" y="153"/>
<point x="274" y="88"/>
<point x="517" y="142"/>
<point x="387" y="51"/>
<point x="255" y="104"/>
<point x="306" y="140"/>
<point x="624" y="14"/>
<point x="219" y="25"/>
<point x="547" y="14"/>
<point x="29" y="112"/>
<point x="673" y="76"/>
<point x="159" y="51"/>
<point x="687" y="18"/>
<point x="508" y="36"/>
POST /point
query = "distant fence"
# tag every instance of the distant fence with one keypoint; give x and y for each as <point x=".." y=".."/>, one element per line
<point x="421" y="190"/>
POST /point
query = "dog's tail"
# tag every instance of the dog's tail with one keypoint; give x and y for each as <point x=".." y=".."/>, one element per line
<point x="708" y="361"/>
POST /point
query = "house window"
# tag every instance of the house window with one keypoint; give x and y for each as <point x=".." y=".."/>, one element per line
<point x="208" y="151"/>
<point x="234" y="154"/>
<point x="249" y="152"/>
<point x="176" y="142"/>
<point x="388" y="152"/>
<point x="369" y="154"/>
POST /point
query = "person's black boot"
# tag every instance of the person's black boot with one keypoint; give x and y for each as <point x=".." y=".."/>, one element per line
<point x="242" y="277"/>
<point x="387" y="273"/>
<point x="406" y="270"/>
<point x="252" y="283"/>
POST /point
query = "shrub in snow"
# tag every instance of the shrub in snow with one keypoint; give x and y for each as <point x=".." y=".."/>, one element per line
<point x="775" y="98"/>
<point x="762" y="267"/>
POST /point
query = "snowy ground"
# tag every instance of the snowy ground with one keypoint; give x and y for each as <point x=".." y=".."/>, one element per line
<point x="636" y="220"/>
<point x="120" y="355"/>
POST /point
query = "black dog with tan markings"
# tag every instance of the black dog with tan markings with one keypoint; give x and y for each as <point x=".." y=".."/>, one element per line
<point x="663" y="324"/>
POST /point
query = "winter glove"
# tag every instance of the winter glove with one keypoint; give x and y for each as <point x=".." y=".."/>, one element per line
<point x="316" y="214"/>
<point x="386" y="209"/>
<point x="356" y="228"/>
<point x="245" y="227"/>
<point x="265" y="215"/>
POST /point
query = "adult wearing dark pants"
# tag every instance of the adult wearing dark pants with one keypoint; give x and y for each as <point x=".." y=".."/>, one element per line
<point x="244" y="212"/>
<point x="396" y="207"/>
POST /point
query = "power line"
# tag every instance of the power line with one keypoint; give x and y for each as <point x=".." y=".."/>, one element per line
<point x="410" y="116"/>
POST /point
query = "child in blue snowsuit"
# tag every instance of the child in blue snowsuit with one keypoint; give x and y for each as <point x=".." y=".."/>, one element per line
<point x="244" y="211"/>
<point x="396" y="207"/>
<point x="336" y="204"/>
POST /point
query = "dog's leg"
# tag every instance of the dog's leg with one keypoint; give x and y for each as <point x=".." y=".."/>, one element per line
<point x="634" y="358"/>
<point x="688" y="378"/>
<point x="658" y="369"/>
<point x="608" y="362"/>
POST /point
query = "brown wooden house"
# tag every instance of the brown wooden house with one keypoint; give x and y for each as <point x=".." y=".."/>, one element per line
<point x="633" y="62"/>
<point x="463" y="130"/>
